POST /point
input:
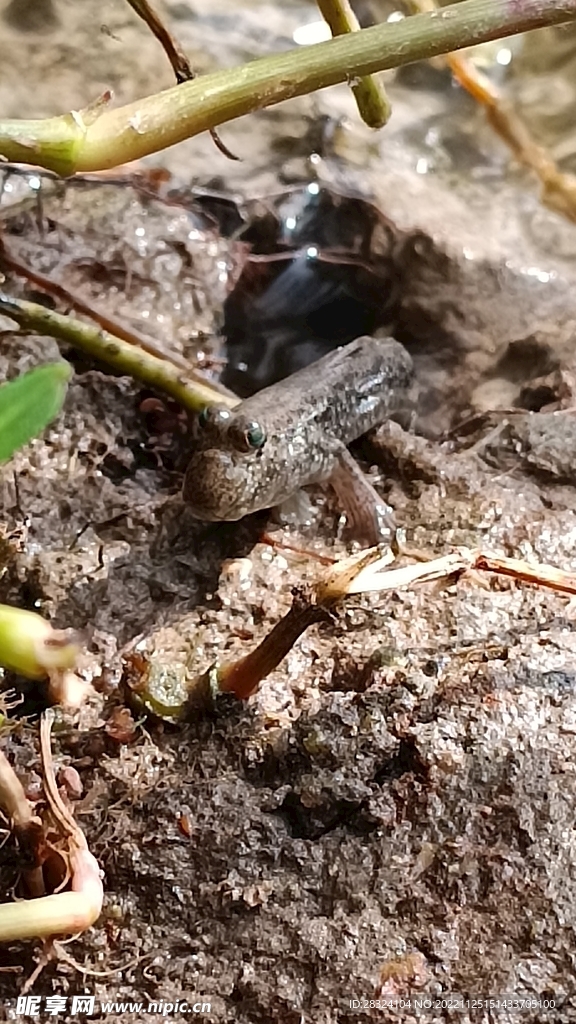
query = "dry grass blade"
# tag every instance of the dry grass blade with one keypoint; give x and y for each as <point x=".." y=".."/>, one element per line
<point x="368" y="572"/>
<point x="366" y="576"/>
<point x="542" y="575"/>
<point x="337" y="581"/>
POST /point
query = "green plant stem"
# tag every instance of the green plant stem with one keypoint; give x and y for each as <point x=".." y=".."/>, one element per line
<point x="371" y="99"/>
<point x="119" y="355"/>
<point x="179" y="61"/>
<point x="103" y="138"/>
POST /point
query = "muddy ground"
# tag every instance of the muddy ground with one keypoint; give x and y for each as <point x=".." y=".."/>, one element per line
<point x="394" y="810"/>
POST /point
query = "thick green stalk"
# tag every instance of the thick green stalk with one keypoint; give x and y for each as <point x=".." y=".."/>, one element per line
<point x="87" y="143"/>
<point x="371" y="99"/>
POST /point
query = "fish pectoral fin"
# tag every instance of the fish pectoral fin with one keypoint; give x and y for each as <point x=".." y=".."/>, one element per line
<point x="369" y="516"/>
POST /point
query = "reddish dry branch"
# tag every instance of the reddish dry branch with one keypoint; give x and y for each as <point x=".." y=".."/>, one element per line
<point x="243" y="676"/>
<point x="542" y="575"/>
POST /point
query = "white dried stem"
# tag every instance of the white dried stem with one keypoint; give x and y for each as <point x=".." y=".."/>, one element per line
<point x="64" y="913"/>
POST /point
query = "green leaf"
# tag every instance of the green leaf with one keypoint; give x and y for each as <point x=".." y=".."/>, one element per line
<point x="29" y="403"/>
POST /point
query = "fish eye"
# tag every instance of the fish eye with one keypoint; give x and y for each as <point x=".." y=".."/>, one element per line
<point x="213" y="416"/>
<point x="255" y="434"/>
<point x="247" y="435"/>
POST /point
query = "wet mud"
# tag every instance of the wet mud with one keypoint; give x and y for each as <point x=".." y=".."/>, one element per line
<point x="393" y="810"/>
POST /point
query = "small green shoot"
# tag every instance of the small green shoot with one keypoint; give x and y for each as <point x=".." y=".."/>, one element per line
<point x="29" y="403"/>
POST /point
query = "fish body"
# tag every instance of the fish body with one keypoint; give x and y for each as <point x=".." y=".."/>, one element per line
<point x="292" y="434"/>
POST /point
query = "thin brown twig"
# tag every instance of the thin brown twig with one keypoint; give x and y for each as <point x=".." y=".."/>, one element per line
<point x="243" y="676"/>
<point x="279" y="544"/>
<point x="59" y="291"/>
<point x="172" y="49"/>
<point x="179" y="61"/>
<point x="90" y="972"/>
